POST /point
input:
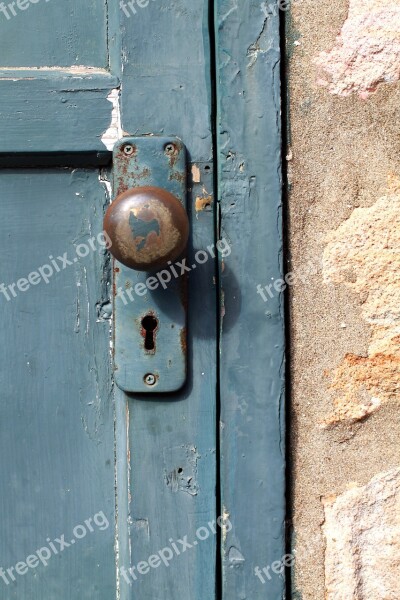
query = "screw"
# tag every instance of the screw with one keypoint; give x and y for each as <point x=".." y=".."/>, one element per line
<point x="128" y="149"/>
<point x="171" y="149"/>
<point x="150" y="379"/>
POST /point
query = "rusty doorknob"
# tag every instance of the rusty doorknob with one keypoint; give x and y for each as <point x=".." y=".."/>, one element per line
<point x="148" y="227"/>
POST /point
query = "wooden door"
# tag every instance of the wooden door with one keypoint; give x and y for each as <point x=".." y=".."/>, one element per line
<point x="106" y="494"/>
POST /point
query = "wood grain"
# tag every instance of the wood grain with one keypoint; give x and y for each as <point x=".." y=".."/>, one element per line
<point x="167" y="469"/>
<point x="252" y="344"/>
<point x="56" y="413"/>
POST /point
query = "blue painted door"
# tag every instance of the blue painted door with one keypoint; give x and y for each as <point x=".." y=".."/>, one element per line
<point x="106" y="494"/>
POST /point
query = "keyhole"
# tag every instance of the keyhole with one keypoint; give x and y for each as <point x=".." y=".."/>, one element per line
<point x="149" y="324"/>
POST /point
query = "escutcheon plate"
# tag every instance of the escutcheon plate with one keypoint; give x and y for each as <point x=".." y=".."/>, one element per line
<point x="150" y="313"/>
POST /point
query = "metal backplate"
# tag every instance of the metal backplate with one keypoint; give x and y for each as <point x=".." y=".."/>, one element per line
<point x="151" y="360"/>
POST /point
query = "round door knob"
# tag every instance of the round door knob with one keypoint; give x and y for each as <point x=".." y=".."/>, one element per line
<point x="148" y="227"/>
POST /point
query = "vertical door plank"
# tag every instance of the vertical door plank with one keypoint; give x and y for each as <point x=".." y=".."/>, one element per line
<point x="56" y="412"/>
<point x="252" y="344"/>
<point x="166" y="445"/>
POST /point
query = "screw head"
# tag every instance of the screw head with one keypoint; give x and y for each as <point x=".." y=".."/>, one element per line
<point x="171" y="150"/>
<point x="150" y="379"/>
<point x="128" y="149"/>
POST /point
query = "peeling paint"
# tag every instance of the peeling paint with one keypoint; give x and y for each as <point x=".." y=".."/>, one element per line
<point x="235" y="556"/>
<point x="225" y="520"/>
<point x="105" y="181"/>
<point x="260" y="46"/>
<point x="180" y="472"/>
<point x="203" y="203"/>
<point x="142" y="525"/>
<point x="75" y="71"/>
<point x="114" y="132"/>
<point x="196" y="174"/>
<point x="366" y="52"/>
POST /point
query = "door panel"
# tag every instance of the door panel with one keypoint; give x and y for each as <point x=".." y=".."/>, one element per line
<point x="160" y="468"/>
<point x="57" y="423"/>
<point x="82" y="40"/>
<point x="58" y="82"/>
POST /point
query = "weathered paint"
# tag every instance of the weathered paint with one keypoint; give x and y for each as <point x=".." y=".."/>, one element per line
<point x="66" y="113"/>
<point x="114" y="132"/>
<point x="56" y="423"/>
<point x="164" y="448"/>
<point x="169" y="451"/>
<point x="55" y="82"/>
<point x="54" y="34"/>
<point x="252" y="342"/>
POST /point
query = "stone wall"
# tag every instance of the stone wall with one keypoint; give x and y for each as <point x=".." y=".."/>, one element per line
<point x="344" y="238"/>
